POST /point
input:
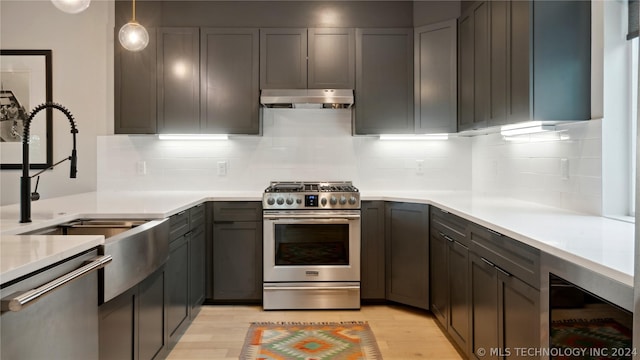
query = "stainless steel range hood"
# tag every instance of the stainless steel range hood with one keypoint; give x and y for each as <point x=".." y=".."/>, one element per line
<point x="307" y="98"/>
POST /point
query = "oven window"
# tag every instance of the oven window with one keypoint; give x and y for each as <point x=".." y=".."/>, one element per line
<point x="312" y="244"/>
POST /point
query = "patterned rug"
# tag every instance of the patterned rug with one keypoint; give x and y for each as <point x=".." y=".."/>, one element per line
<point x="310" y="341"/>
<point x="592" y="334"/>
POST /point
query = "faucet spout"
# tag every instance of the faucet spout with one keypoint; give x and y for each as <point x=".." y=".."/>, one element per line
<point x="25" y="180"/>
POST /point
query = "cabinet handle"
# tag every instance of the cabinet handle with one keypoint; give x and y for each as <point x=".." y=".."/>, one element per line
<point x="488" y="262"/>
<point x="181" y="213"/>
<point x="199" y="205"/>
<point x="504" y="271"/>
<point x="494" y="232"/>
<point x="446" y="237"/>
<point x="444" y="211"/>
<point x="21" y="300"/>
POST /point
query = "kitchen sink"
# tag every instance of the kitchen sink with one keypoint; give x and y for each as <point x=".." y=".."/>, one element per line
<point x="106" y="227"/>
<point x="138" y="248"/>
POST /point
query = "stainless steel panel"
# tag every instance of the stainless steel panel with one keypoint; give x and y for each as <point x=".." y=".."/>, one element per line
<point x="137" y="253"/>
<point x="322" y="295"/>
<point x="62" y="325"/>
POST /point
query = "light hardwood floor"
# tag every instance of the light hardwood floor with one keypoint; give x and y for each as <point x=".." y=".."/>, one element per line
<point x="218" y="332"/>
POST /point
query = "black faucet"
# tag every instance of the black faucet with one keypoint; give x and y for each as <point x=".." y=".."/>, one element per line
<point x="25" y="181"/>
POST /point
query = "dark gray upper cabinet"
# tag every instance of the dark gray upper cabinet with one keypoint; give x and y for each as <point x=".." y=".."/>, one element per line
<point x="297" y="58"/>
<point x="229" y="67"/>
<point x="135" y="88"/>
<point x="384" y="81"/>
<point x="435" y="86"/>
<point x="283" y="58"/>
<point x="522" y="61"/>
<point x="407" y="253"/>
<point x="331" y="58"/>
<point x="473" y="65"/>
<point x="550" y="59"/>
<point x="178" y="81"/>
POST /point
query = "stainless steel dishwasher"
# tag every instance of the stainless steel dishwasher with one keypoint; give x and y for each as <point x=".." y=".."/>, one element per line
<point x="53" y="313"/>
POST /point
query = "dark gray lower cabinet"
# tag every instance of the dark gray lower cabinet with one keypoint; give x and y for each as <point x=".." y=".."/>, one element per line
<point x="372" y="282"/>
<point x="197" y="271"/>
<point x="237" y="251"/>
<point x="132" y="324"/>
<point x="505" y="311"/>
<point x="177" y="286"/>
<point x="407" y="253"/>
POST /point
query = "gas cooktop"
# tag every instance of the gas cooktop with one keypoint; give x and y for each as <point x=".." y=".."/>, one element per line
<point x="292" y="195"/>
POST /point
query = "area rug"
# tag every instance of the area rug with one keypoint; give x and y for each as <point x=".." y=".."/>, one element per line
<point x="599" y="338"/>
<point x="310" y="341"/>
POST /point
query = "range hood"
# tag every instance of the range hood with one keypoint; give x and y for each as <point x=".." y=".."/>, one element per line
<point x="307" y="98"/>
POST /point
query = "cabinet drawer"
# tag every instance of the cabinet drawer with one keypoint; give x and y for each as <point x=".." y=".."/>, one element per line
<point x="237" y="211"/>
<point x="179" y="225"/>
<point x="512" y="256"/>
<point x="451" y="225"/>
<point x="197" y="215"/>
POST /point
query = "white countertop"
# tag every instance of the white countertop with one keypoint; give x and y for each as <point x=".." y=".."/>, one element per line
<point x="597" y="243"/>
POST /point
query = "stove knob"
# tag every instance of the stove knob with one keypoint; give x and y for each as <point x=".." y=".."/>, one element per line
<point x="343" y="200"/>
<point x="352" y="200"/>
<point x="323" y="201"/>
<point x="298" y="201"/>
<point x="280" y="201"/>
<point x="271" y="201"/>
<point x="289" y="201"/>
<point x="333" y="200"/>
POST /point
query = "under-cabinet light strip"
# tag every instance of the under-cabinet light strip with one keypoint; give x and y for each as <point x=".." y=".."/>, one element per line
<point x="193" y="137"/>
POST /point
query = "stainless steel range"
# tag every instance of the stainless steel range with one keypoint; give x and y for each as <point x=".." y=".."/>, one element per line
<point x="311" y="246"/>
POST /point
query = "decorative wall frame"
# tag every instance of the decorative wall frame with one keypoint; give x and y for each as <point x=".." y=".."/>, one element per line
<point x="25" y="82"/>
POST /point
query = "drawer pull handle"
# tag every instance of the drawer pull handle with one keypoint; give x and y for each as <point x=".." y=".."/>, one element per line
<point x="444" y="211"/>
<point x="446" y="237"/>
<point x="494" y="232"/>
<point x="503" y="271"/>
<point x="20" y="300"/>
<point x="488" y="262"/>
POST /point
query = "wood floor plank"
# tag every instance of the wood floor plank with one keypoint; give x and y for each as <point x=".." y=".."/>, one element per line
<point x="402" y="333"/>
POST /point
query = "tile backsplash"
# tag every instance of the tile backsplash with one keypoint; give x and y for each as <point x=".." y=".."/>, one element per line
<point x="302" y="144"/>
<point x="310" y="144"/>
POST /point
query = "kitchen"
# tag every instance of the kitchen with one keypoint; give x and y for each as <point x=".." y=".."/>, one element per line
<point x="318" y="146"/>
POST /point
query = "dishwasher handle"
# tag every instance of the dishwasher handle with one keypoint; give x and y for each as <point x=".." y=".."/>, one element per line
<point x="20" y="300"/>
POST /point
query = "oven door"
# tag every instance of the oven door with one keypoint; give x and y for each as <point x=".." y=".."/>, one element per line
<point x="311" y="246"/>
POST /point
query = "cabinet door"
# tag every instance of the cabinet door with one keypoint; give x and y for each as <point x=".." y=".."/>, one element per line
<point x="519" y="60"/>
<point x="484" y="307"/>
<point x="498" y="39"/>
<point x="283" y="58"/>
<point x="151" y="330"/>
<point x="435" y="78"/>
<point x="135" y="88"/>
<point x="178" y="81"/>
<point x="439" y="277"/>
<point x="177" y="273"/>
<point x="520" y="305"/>
<point x="229" y="67"/>
<point x="459" y="299"/>
<point x="407" y="254"/>
<point x="384" y="81"/>
<point x="465" y="72"/>
<point x="481" y="65"/>
<point x="197" y="257"/>
<point x="372" y="281"/>
<point x="117" y="326"/>
<point x="237" y="261"/>
<point x="332" y="61"/>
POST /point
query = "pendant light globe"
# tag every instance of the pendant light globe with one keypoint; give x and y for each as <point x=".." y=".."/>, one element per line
<point x="133" y="36"/>
<point x="71" y="6"/>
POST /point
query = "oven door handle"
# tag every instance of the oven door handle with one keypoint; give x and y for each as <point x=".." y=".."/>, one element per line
<point x="310" y="216"/>
<point x="347" y="287"/>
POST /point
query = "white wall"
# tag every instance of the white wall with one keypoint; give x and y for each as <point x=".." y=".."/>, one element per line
<point x="296" y="145"/>
<point x="82" y="59"/>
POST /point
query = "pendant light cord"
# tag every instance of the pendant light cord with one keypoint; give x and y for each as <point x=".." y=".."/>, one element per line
<point x="134" y="10"/>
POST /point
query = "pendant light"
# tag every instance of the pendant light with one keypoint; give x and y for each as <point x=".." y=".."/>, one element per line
<point x="133" y="36"/>
<point x="71" y="6"/>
